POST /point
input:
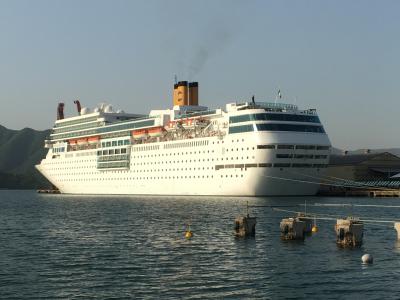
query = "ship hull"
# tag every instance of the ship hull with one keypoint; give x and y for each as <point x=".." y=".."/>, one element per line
<point x="231" y="166"/>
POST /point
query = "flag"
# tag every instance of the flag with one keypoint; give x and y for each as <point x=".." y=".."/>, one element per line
<point x="279" y="94"/>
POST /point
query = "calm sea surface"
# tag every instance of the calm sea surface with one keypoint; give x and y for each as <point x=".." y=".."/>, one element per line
<point x="69" y="247"/>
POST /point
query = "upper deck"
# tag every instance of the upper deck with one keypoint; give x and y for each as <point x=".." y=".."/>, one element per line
<point x="105" y="123"/>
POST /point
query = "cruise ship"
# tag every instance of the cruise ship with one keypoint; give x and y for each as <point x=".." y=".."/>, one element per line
<point x="242" y="149"/>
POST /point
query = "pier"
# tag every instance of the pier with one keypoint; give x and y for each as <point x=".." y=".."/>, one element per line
<point x="373" y="193"/>
<point x="48" y="191"/>
<point x="360" y="192"/>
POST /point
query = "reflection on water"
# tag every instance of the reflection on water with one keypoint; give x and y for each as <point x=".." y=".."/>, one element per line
<point x="134" y="247"/>
<point x="397" y="246"/>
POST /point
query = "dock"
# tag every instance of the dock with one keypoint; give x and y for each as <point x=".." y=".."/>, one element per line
<point x="372" y="193"/>
<point x="48" y="191"/>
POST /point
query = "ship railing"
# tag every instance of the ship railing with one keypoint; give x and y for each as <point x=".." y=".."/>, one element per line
<point x="196" y="114"/>
<point x="279" y="106"/>
<point x="113" y="165"/>
<point x="118" y="157"/>
<point x="82" y="147"/>
<point x="276" y="107"/>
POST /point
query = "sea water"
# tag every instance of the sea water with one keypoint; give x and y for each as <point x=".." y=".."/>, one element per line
<point x="133" y="247"/>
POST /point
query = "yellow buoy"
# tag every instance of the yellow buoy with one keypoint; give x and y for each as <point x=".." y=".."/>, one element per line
<point x="188" y="234"/>
<point x="314" y="229"/>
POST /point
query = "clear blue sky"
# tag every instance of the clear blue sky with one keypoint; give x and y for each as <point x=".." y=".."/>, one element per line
<point x="340" y="57"/>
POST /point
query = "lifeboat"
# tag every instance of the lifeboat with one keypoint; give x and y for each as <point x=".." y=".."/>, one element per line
<point x="156" y="131"/>
<point x="93" y="139"/>
<point x="81" y="141"/>
<point x="202" y="122"/>
<point x="140" y="133"/>
<point x="170" y="126"/>
<point x="72" y="142"/>
<point x="188" y="123"/>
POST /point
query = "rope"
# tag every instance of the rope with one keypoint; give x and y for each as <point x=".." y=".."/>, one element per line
<point x="348" y="183"/>
<point x="298" y="180"/>
<point x="318" y="183"/>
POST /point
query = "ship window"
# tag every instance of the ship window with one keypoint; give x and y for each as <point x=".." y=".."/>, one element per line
<point x="265" y="165"/>
<point x="303" y="156"/>
<point x="290" y="127"/>
<point x="285" y="146"/>
<point x="108" y="144"/>
<point x="274" y="117"/>
<point x="301" y="165"/>
<point x="281" y="165"/>
<point x="240" y="129"/>
<point x="239" y="119"/>
<point x="284" y="156"/>
<point x="305" y="147"/>
<point x="264" y="147"/>
<point x="323" y="147"/>
<point x="120" y="142"/>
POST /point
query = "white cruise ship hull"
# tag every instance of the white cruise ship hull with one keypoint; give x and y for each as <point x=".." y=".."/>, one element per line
<point x="231" y="166"/>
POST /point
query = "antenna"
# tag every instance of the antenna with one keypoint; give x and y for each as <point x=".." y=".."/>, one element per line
<point x="278" y="95"/>
<point x="176" y="79"/>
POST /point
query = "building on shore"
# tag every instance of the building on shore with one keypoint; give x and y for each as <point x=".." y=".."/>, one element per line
<point x="348" y="172"/>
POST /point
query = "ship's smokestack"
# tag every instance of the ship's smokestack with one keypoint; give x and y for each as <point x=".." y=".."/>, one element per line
<point x="193" y="93"/>
<point x="60" y="111"/>
<point x="186" y="93"/>
<point x="78" y="106"/>
<point x="181" y="93"/>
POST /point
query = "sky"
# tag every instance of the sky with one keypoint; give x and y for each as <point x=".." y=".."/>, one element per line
<point x="339" y="57"/>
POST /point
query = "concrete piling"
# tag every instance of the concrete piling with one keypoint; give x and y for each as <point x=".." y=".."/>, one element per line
<point x="349" y="232"/>
<point x="292" y="229"/>
<point x="245" y="226"/>
<point x="308" y="222"/>
<point x="397" y="227"/>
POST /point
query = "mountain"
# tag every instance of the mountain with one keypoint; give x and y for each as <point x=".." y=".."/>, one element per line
<point x="20" y="151"/>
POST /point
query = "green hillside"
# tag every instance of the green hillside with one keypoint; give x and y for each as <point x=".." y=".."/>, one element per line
<point x="20" y="151"/>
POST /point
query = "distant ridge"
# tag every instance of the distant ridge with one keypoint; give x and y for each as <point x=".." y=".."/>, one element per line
<point x="20" y="151"/>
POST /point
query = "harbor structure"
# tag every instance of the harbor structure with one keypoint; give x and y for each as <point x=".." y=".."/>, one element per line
<point x="366" y="174"/>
